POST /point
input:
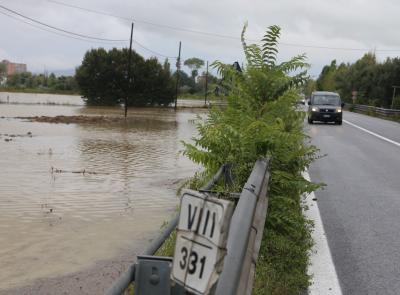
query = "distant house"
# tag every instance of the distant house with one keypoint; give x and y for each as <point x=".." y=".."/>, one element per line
<point x="14" y="68"/>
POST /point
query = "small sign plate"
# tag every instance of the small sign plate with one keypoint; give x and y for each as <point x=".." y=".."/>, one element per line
<point x="201" y="241"/>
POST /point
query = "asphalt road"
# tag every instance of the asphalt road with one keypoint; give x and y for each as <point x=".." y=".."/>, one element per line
<point x="360" y="206"/>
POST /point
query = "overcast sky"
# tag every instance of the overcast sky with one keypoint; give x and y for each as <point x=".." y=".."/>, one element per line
<point x="350" y="27"/>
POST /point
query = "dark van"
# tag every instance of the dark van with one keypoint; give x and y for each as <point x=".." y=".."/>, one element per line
<point x="325" y="106"/>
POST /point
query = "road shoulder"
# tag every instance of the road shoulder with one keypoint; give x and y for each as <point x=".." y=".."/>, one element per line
<point x="325" y="280"/>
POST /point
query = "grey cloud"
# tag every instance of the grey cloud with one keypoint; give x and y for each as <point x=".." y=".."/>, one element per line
<point x="351" y="23"/>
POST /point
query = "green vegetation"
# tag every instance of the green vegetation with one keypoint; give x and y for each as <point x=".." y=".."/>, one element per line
<point x="195" y="88"/>
<point x="3" y="71"/>
<point x="40" y="83"/>
<point x="102" y="79"/>
<point x="371" y="80"/>
<point x="168" y="247"/>
<point x="261" y="120"/>
<point x="194" y="64"/>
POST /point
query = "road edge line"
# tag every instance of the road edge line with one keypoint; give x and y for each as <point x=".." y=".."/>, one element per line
<point x="373" y="133"/>
<point x="325" y="279"/>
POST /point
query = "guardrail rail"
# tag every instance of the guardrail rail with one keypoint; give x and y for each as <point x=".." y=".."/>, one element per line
<point x="375" y="110"/>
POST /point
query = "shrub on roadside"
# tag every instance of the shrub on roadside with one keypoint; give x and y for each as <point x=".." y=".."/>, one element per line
<point x="261" y="120"/>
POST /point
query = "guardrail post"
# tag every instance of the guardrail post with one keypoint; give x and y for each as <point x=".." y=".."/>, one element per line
<point x="153" y="275"/>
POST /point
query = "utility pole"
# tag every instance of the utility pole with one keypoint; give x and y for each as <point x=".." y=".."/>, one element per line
<point x="205" y="94"/>
<point x="178" y="68"/>
<point x="394" y="94"/>
<point x="129" y="73"/>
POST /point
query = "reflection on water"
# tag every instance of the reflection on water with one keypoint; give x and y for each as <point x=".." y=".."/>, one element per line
<point x="40" y="98"/>
<point x="54" y="223"/>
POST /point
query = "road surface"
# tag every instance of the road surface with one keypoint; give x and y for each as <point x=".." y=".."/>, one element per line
<point x="360" y="207"/>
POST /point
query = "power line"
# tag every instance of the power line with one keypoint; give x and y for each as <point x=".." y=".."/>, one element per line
<point x="152" y="51"/>
<point x="91" y="10"/>
<point x="324" y="47"/>
<point x="145" y="22"/>
<point x="201" y="32"/>
<point x="61" y="30"/>
<point x="80" y="37"/>
<point x="50" y="31"/>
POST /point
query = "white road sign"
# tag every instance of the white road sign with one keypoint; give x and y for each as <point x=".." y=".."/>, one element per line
<point x="201" y="241"/>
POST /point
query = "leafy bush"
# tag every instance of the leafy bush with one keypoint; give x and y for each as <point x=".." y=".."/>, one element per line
<point x="261" y="120"/>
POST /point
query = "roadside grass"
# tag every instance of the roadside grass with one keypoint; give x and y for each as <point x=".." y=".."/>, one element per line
<point x="167" y="249"/>
<point x="284" y="255"/>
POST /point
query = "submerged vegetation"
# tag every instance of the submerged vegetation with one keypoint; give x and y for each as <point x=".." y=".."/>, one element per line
<point x="261" y="120"/>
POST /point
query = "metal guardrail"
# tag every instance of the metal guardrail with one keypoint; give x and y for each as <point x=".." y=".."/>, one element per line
<point x="244" y="240"/>
<point x="245" y="234"/>
<point x="378" y="111"/>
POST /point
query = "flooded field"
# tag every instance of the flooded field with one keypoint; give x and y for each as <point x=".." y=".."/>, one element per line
<point x="75" y="194"/>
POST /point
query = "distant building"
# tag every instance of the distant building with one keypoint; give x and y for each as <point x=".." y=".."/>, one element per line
<point x="14" y="68"/>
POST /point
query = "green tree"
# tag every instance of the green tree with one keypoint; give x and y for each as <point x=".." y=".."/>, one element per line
<point x="3" y="71"/>
<point x="326" y="81"/>
<point x="103" y="79"/>
<point x="167" y="65"/>
<point x="185" y="80"/>
<point x="309" y="86"/>
<point x="51" y="80"/>
<point x="373" y="81"/>
<point x="194" y="64"/>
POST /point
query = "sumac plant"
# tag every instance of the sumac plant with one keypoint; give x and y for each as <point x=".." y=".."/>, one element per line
<point x="261" y="119"/>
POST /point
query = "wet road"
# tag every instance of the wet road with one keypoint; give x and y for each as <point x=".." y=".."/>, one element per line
<point x="360" y="207"/>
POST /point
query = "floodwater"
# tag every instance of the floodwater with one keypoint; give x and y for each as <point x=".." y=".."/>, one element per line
<point x="116" y="187"/>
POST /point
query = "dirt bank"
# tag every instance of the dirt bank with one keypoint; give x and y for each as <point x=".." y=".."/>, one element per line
<point x="74" y="119"/>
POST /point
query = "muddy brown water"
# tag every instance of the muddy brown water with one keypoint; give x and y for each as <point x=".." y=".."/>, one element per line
<point x="54" y="224"/>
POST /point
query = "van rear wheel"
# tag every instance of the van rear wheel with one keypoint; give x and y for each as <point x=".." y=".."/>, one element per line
<point x="310" y="121"/>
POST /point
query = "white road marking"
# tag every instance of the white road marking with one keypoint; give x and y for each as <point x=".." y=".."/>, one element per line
<point x="373" y="133"/>
<point x="325" y="280"/>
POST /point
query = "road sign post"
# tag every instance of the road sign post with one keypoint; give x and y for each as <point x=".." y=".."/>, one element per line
<point x="200" y="247"/>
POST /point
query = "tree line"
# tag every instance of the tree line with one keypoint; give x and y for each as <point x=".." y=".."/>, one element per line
<point x="102" y="79"/>
<point x="366" y="81"/>
<point x="42" y="82"/>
